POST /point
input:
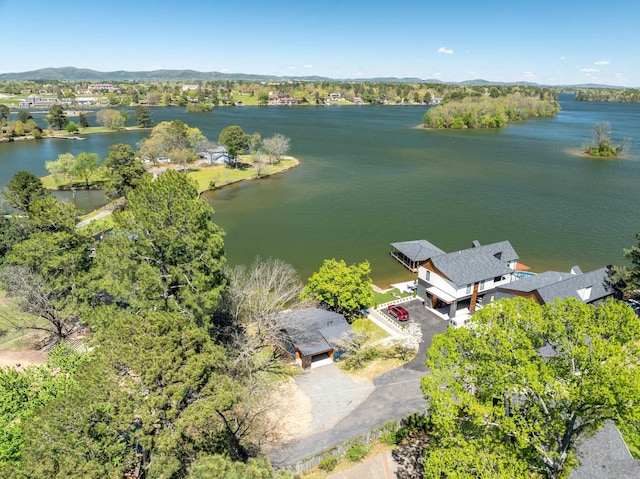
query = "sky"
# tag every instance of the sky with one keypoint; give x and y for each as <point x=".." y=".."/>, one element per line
<point x="557" y="42"/>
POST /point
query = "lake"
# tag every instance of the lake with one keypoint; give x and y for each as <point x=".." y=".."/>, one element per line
<point x="368" y="177"/>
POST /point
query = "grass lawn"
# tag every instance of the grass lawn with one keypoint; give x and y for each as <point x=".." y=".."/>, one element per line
<point x="222" y="175"/>
<point x="368" y="326"/>
<point x="379" y="298"/>
<point x="9" y="337"/>
<point x="247" y="100"/>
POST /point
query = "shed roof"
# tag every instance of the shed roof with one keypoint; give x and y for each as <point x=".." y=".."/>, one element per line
<point x="417" y="250"/>
<point x="314" y="331"/>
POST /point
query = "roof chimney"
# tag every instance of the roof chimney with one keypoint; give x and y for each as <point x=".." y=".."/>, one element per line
<point x="475" y="243"/>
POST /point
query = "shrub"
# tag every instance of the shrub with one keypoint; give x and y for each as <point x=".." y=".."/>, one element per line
<point x="357" y="451"/>
<point x="328" y="463"/>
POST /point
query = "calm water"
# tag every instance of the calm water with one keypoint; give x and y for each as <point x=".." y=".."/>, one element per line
<point x="368" y="178"/>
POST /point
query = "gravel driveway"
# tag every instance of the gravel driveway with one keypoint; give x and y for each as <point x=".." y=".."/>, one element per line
<point x="333" y="394"/>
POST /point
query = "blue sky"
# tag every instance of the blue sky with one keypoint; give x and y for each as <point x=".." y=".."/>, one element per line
<point x="547" y="42"/>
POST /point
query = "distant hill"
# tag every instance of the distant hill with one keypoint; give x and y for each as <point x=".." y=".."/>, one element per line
<point x="85" y="74"/>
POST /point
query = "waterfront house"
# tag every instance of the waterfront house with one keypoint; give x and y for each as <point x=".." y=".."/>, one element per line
<point x="313" y="335"/>
<point x="456" y="284"/>
<point x="590" y="288"/>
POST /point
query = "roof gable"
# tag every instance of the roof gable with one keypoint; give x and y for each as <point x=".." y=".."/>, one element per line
<point x="477" y="263"/>
<point x="587" y="287"/>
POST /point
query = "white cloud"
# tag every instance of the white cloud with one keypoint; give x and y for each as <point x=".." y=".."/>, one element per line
<point x="589" y="70"/>
<point x="292" y="67"/>
<point x="445" y="50"/>
<point x="224" y="70"/>
<point x="153" y="68"/>
<point x="602" y="62"/>
<point x="528" y="75"/>
<point x="436" y="74"/>
<point x="563" y="57"/>
<point x="308" y="66"/>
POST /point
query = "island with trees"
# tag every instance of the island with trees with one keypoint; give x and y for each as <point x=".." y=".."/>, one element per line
<point x="493" y="110"/>
<point x="601" y="146"/>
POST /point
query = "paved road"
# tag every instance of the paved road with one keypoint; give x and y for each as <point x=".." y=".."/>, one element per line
<point x="396" y="395"/>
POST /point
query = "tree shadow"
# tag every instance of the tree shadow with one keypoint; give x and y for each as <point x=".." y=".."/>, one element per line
<point x="409" y="455"/>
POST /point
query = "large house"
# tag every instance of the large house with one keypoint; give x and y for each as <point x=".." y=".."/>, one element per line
<point x="590" y="288"/>
<point x="455" y="284"/>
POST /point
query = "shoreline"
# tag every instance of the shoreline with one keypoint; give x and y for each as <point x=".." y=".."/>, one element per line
<point x="93" y="215"/>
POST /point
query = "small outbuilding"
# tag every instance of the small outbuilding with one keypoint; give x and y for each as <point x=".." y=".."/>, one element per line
<point x="313" y="335"/>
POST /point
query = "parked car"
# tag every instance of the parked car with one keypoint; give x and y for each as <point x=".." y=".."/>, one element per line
<point x="635" y="305"/>
<point x="398" y="312"/>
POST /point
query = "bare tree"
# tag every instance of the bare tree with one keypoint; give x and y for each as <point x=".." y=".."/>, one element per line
<point x="47" y="309"/>
<point x="257" y="297"/>
<point x="258" y="162"/>
<point x="276" y="146"/>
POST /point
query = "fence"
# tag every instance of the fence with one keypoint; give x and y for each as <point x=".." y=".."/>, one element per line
<point x="339" y="450"/>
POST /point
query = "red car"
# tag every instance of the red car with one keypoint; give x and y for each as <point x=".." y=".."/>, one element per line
<point x="398" y="312"/>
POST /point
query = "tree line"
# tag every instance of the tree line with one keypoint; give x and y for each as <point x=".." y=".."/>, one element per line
<point x="488" y="111"/>
<point x="619" y="95"/>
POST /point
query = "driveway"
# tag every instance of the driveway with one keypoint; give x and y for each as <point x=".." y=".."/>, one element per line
<point x="333" y="394"/>
<point x="396" y="395"/>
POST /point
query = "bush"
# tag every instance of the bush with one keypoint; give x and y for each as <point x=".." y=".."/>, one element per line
<point x="357" y="451"/>
<point x="328" y="463"/>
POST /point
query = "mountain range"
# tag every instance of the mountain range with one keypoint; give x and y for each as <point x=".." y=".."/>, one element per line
<point x="85" y="74"/>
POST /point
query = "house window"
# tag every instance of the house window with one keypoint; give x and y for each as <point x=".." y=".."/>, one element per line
<point x="497" y="279"/>
<point x="468" y="289"/>
<point x="427" y="275"/>
<point x="481" y="287"/>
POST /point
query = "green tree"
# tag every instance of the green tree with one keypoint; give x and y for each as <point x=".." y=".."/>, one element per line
<point x="82" y="121"/>
<point x="44" y="271"/>
<point x="167" y="254"/>
<point x="62" y="168"/>
<point x="148" y="403"/>
<point x="72" y="127"/>
<point x="343" y="289"/>
<point x="526" y="382"/>
<point x="23" y="189"/>
<point x="24" y="116"/>
<point x="602" y="143"/>
<point x="143" y="117"/>
<point x="124" y="170"/>
<point x="110" y="118"/>
<point x="221" y="467"/>
<point x="174" y="140"/>
<point x="24" y="392"/>
<point x="85" y="166"/>
<point x="57" y="118"/>
<point x="234" y="139"/>
<point x="5" y="111"/>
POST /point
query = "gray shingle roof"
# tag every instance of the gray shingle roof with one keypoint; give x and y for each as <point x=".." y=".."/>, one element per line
<point x="532" y="283"/>
<point x="314" y="331"/>
<point x="568" y="288"/>
<point x="477" y="263"/>
<point x="606" y="456"/>
<point x="417" y="250"/>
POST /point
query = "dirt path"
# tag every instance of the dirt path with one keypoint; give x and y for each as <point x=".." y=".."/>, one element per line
<point x="19" y="358"/>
